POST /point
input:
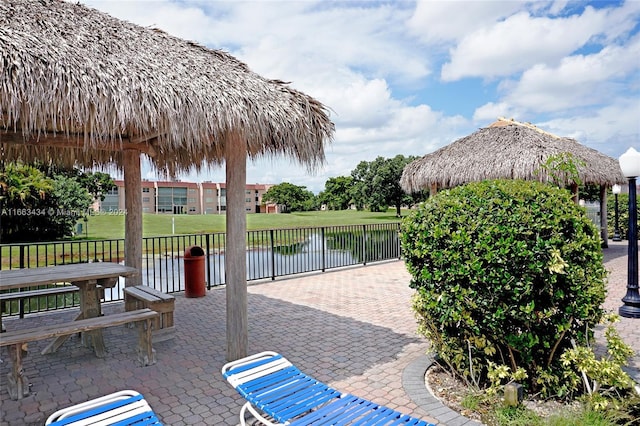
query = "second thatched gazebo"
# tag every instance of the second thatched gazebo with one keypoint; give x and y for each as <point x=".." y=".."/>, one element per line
<point x="508" y="149"/>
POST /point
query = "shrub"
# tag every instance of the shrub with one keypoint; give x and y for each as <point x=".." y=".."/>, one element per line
<point x="505" y="271"/>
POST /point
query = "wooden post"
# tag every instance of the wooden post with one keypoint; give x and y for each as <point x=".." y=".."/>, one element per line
<point x="574" y="191"/>
<point x="604" y="214"/>
<point x="235" y="256"/>
<point x="133" y="218"/>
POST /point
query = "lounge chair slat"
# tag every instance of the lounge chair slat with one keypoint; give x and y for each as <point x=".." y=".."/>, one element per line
<point x="251" y="365"/>
<point x="328" y="412"/>
<point x="145" y="418"/>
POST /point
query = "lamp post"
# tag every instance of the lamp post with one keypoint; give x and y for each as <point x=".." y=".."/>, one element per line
<point x="616" y="230"/>
<point x="630" y="166"/>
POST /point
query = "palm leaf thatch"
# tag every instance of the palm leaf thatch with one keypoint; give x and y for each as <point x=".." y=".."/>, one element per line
<point x="78" y="86"/>
<point x="507" y="149"/>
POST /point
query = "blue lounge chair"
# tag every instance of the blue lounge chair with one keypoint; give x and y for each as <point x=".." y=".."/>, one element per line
<point x="277" y="393"/>
<point x="122" y="408"/>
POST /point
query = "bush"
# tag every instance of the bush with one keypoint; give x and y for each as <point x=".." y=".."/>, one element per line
<point x="506" y="272"/>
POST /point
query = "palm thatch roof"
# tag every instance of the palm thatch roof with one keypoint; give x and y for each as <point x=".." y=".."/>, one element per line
<point x="78" y="86"/>
<point x="507" y="149"/>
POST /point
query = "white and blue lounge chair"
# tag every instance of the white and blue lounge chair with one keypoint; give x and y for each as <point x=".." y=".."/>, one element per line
<point x="121" y="408"/>
<point x="277" y="393"/>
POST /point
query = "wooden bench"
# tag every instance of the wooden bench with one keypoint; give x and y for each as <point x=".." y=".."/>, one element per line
<point x="16" y="341"/>
<point x="143" y="296"/>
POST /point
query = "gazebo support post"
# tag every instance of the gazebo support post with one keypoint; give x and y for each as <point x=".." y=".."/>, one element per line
<point x="574" y="191"/>
<point x="604" y="231"/>
<point x="133" y="217"/>
<point x="235" y="256"/>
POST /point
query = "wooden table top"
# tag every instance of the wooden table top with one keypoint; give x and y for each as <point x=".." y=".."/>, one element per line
<point x="73" y="273"/>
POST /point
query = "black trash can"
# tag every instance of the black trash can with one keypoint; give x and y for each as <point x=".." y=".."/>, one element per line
<point x="194" y="283"/>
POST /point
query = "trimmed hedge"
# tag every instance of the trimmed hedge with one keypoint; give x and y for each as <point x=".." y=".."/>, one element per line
<point x="506" y="271"/>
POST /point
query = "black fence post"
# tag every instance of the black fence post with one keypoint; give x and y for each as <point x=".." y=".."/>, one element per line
<point x="324" y="250"/>
<point x="364" y="244"/>
<point x="273" y="256"/>
<point x="208" y="245"/>
<point x="21" y="302"/>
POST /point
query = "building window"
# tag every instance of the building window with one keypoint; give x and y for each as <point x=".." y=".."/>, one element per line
<point x="209" y="191"/>
<point x="146" y="199"/>
<point x="145" y="190"/>
<point x="208" y="200"/>
<point x="171" y="200"/>
<point x="247" y="200"/>
<point x="192" y="209"/>
<point x="191" y="200"/>
<point x="192" y="190"/>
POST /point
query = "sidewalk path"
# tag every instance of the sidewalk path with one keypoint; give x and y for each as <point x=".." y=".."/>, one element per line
<point x="352" y="328"/>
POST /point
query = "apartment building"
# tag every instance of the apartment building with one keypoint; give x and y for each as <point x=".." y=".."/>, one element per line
<point x="178" y="197"/>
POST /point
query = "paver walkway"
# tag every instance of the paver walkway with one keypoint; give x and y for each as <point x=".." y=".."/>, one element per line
<point x="352" y="328"/>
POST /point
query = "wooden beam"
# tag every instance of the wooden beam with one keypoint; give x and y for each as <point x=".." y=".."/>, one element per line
<point x="235" y="256"/>
<point x="133" y="217"/>
<point x="76" y="141"/>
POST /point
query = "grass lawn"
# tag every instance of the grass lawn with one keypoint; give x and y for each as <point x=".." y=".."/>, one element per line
<point x="112" y="226"/>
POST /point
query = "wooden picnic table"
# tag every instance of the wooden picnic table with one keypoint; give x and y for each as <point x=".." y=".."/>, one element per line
<point x="88" y="277"/>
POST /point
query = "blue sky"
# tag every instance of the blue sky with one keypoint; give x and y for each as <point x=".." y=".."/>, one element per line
<point x="407" y="77"/>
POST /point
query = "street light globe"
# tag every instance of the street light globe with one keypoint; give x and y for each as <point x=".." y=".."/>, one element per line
<point x="616" y="189"/>
<point x="630" y="163"/>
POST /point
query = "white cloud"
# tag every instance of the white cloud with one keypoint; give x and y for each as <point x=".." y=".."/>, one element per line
<point x="610" y="129"/>
<point x="490" y="111"/>
<point x="519" y="42"/>
<point x="578" y="80"/>
<point x="440" y="22"/>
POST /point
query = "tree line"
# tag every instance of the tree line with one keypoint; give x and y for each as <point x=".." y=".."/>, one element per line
<point x="373" y="185"/>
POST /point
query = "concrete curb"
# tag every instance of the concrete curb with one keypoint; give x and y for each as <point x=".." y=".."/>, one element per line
<point x="414" y="385"/>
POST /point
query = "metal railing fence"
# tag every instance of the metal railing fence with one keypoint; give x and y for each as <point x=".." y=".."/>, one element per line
<point x="270" y="253"/>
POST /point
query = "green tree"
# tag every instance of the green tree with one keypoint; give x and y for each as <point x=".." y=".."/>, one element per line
<point x="337" y="193"/>
<point x="41" y="203"/>
<point x="23" y="191"/>
<point x="98" y="184"/>
<point x="376" y="184"/>
<point x="71" y="203"/>
<point x="294" y="198"/>
<point x="23" y="185"/>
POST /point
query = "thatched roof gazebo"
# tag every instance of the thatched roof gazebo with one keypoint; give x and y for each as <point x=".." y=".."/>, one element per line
<point x="509" y="149"/>
<point x="79" y="87"/>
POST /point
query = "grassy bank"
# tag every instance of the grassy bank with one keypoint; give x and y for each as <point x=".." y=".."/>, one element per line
<point x="112" y="226"/>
